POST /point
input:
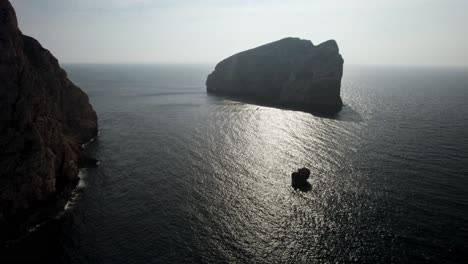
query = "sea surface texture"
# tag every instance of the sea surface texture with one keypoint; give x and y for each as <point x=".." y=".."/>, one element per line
<point x="186" y="177"/>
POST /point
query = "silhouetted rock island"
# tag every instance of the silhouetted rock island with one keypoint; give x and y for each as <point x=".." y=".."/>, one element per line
<point x="300" y="177"/>
<point x="44" y="120"/>
<point x="290" y="73"/>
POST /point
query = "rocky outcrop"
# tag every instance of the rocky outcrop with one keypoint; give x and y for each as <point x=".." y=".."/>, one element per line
<point x="44" y="120"/>
<point x="290" y="73"/>
<point x="300" y="177"/>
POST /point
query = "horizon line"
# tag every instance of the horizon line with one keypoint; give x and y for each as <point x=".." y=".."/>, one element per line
<point x="214" y="63"/>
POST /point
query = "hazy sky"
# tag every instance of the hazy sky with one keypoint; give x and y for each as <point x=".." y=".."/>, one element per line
<point x="414" y="32"/>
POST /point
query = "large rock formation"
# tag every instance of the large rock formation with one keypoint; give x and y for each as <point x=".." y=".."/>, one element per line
<point x="44" y="119"/>
<point x="290" y="73"/>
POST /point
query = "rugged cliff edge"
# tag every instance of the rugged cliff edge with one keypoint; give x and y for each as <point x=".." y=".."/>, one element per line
<point x="290" y="73"/>
<point x="44" y="120"/>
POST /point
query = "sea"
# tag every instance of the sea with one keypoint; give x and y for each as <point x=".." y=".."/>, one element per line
<point x="187" y="177"/>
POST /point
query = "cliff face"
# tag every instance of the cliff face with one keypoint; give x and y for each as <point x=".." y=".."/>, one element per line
<point x="290" y="73"/>
<point x="44" y="119"/>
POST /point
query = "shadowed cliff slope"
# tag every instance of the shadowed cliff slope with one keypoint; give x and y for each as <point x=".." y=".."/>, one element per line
<point x="290" y="73"/>
<point x="44" y="119"/>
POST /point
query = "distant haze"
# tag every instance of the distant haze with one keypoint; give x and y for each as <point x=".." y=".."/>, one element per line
<point x="403" y="32"/>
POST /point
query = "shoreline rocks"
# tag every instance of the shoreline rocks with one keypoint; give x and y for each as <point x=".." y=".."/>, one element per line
<point x="290" y="73"/>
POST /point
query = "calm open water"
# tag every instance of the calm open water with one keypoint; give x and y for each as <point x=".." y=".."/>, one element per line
<point x="192" y="178"/>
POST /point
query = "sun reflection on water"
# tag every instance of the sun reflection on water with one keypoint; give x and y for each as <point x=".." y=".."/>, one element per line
<point x="254" y="152"/>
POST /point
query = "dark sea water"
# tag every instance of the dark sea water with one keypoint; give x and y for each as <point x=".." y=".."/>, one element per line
<point x="192" y="178"/>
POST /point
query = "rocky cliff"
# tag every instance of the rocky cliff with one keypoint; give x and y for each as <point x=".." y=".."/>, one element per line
<point x="290" y="73"/>
<point x="44" y="120"/>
